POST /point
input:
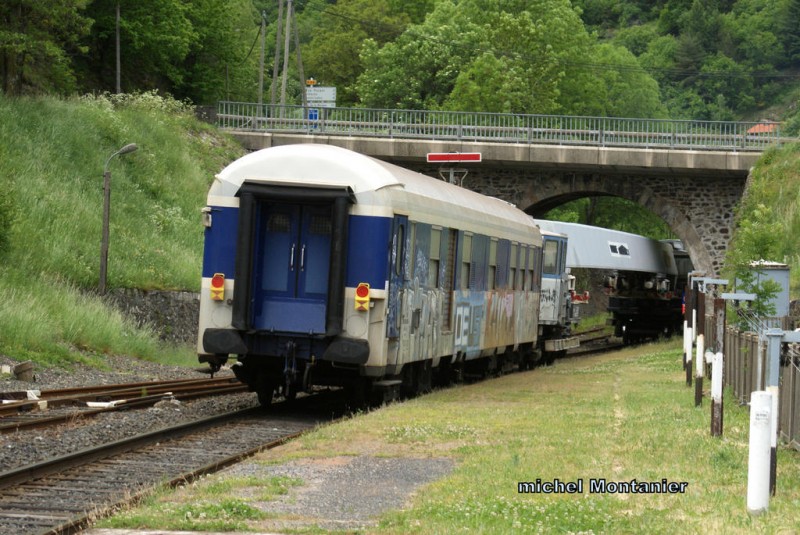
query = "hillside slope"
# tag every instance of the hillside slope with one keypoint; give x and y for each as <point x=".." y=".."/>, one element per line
<point x="768" y="217"/>
<point x="52" y="156"/>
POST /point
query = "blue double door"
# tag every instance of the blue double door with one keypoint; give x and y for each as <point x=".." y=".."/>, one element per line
<point x="291" y="266"/>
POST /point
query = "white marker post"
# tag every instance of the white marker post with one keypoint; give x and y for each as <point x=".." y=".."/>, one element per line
<point x="758" y="466"/>
<point x="716" y="395"/>
<point x="700" y="298"/>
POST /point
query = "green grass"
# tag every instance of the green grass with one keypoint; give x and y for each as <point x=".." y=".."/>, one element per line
<point x="620" y="417"/>
<point x="210" y="505"/>
<point x="52" y="156"/>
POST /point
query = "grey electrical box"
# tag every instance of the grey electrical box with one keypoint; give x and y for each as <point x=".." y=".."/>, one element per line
<point x="779" y="273"/>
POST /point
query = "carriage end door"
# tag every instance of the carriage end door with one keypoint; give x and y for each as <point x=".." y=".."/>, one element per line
<point x="291" y="266"/>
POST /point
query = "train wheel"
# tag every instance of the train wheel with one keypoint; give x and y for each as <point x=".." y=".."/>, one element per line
<point x="289" y="389"/>
<point x="424" y="377"/>
<point x="265" y="388"/>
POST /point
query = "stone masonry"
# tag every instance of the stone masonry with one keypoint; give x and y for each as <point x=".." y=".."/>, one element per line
<point x="698" y="209"/>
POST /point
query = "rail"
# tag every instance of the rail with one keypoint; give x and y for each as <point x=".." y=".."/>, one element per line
<point x="500" y="127"/>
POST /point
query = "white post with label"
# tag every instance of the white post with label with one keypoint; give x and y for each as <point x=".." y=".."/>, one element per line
<point x="758" y="466"/>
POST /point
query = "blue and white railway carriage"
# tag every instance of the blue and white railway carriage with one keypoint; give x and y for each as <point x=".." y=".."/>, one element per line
<point x="323" y="266"/>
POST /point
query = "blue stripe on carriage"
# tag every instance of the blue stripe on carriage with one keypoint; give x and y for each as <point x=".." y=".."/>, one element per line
<point x="368" y="244"/>
<point x="219" y="253"/>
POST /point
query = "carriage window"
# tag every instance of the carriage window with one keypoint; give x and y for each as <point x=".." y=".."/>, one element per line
<point x="491" y="284"/>
<point x="523" y="262"/>
<point x="321" y="225"/>
<point x="512" y="267"/>
<point x="278" y="223"/>
<point x="399" y="250"/>
<point x="620" y="249"/>
<point x="434" y="257"/>
<point x="466" y="261"/>
<point x="412" y="234"/>
<point x="550" y="257"/>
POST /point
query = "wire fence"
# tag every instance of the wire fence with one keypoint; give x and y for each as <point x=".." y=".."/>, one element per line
<point x="500" y="127"/>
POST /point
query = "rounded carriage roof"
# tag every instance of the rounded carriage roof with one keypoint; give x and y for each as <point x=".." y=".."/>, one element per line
<point x="310" y="163"/>
<point x="325" y="165"/>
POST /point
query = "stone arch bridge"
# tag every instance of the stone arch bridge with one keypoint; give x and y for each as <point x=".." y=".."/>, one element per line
<point x="693" y="191"/>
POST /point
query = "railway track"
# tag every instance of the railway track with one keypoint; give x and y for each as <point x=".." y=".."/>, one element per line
<point x="35" y="410"/>
<point x="595" y="340"/>
<point x="62" y="495"/>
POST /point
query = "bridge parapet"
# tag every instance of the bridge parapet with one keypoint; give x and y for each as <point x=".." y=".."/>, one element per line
<point x="499" y="127"/>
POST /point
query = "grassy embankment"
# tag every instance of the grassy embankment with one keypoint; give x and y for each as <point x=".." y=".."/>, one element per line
<point x="622" y="416"/>
<point x="774" y="193"/>
<point x="52" y="154"/>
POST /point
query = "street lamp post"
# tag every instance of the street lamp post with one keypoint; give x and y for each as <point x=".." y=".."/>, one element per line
<point x="101" y="287"/>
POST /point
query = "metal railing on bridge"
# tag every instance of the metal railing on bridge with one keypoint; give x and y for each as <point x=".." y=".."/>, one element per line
<point x="500" y="127"/>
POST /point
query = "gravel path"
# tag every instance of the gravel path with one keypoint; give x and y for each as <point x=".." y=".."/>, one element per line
<point x="342" y="493"/>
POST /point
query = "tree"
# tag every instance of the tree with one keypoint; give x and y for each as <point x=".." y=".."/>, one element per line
<point x="757" y="237"/>
<point x="155" y="36"/>
<point x="37" y="38"/>
<point x="620" y="88"/>
<point x="525" y="48"/>
<point x="332" y="55"/>
<point x="217" y="66"/>
<point x="419" y="68"/>
<point x="615" y="213"/>
<point x="791" y="30"/>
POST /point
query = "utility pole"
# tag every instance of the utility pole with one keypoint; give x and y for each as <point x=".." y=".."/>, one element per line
<point x="300" y="62"/>
<point x="261" y="61"/>
<point x="286" y="51"/>
<point x="277" y="53"/>
<point x="119" y="64"/>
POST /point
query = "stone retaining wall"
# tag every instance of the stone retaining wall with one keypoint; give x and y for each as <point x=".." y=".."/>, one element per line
<point x="172" y="315"/>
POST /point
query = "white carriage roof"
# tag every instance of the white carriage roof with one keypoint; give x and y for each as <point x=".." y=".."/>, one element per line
<point x="601" y="248"/>
<point x="325" y="165"/>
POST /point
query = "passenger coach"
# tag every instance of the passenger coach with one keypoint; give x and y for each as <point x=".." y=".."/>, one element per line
<point x="326" y="267"/>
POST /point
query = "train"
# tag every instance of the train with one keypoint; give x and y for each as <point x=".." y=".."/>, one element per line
<point x="644" y="278"/>
<point x="326" y="267"/>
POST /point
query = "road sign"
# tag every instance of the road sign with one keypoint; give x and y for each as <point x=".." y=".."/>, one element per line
<point x="323" y="97"/>
<point x="453" y="157"/>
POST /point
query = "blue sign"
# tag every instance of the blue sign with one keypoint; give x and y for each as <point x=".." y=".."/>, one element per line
<point x="313" y="114"/>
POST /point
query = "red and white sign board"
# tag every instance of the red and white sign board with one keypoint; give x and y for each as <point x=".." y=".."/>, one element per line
<point x="453" y="157"/>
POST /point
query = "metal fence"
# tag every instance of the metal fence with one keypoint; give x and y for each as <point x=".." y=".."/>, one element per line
<point x="745" y="371"/>
<point x="500" y="127"/>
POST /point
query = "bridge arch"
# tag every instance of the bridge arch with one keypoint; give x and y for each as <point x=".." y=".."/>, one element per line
<point x="699" y="210"/>
<point x="665" y="208"/>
